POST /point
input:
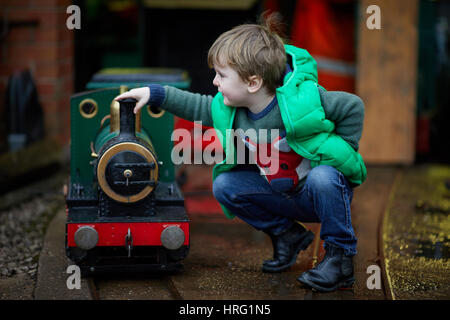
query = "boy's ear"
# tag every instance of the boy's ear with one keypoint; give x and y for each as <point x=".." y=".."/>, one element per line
<point x="254" y="83"/>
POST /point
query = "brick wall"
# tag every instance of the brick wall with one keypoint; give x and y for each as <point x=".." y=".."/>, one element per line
<point x="47" y="51"/>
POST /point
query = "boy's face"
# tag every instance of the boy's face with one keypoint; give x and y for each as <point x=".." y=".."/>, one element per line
<point x="233" y="88"/>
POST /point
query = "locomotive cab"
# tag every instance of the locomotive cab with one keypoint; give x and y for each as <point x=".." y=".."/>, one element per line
<point x="121" y="214"/>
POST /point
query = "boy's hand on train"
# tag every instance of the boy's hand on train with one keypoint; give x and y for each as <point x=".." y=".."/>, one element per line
<point x="141" y="95"/>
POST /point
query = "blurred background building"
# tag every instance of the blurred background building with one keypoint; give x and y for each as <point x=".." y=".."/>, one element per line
<point x="401" y="71"/>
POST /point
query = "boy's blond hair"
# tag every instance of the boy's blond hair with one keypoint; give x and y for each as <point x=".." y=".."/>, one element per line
<point x="252" y="49"/>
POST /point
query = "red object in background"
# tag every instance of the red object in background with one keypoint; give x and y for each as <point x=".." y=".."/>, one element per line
<point x="202" y="204"/>
<point x="325" y="28"/>
<point x="423" y="134"/>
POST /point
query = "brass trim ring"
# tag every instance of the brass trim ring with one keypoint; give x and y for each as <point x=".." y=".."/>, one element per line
<point x="88" y="115"/>
<point x="103" y="161"/>
<point x="155" y="115"/>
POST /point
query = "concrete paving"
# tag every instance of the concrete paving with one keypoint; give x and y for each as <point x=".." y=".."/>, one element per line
<point x="52" y="272"/>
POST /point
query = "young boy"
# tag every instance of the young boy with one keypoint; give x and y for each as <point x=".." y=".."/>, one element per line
<point x="264" y="84"/>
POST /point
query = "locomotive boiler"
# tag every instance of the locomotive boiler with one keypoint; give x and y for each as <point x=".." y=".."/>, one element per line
<point x="124" y="208"/>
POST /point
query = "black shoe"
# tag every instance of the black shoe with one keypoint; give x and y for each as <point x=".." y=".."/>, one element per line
<point x="333" y="272"/>
<point x="286" y="248"/>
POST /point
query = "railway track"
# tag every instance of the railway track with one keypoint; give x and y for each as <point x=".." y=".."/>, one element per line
<point x="139" y="287"/>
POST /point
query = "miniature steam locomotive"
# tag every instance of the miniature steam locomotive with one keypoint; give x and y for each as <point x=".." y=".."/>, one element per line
<point x="125" y="210"/>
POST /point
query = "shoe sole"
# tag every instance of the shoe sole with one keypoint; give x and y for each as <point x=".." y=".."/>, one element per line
<point x="346" y="283"/>
<point x="302" y="246"/>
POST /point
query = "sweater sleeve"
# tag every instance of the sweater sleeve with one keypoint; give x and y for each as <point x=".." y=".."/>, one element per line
<point x="346" y="110"/>
<point x="184" y="104"/>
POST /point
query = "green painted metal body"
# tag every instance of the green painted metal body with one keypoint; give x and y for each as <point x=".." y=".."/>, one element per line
<point x="87" y="131"/>
<point x="105" y="135"/>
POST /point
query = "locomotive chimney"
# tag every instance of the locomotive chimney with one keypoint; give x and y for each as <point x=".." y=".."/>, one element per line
<point x="115" y="114"/>
<point x="127" y="118"/>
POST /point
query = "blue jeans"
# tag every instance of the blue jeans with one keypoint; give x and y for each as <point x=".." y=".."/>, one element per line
<point x="324" y="198"/>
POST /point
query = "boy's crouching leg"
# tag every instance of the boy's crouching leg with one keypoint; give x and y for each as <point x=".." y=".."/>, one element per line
<point x="286" y="247"/>
<point x="333" y="272"/>
<point x="250" y="198"/>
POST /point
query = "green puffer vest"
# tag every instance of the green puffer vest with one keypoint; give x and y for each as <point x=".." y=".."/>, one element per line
<point x="307" y="131"/>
